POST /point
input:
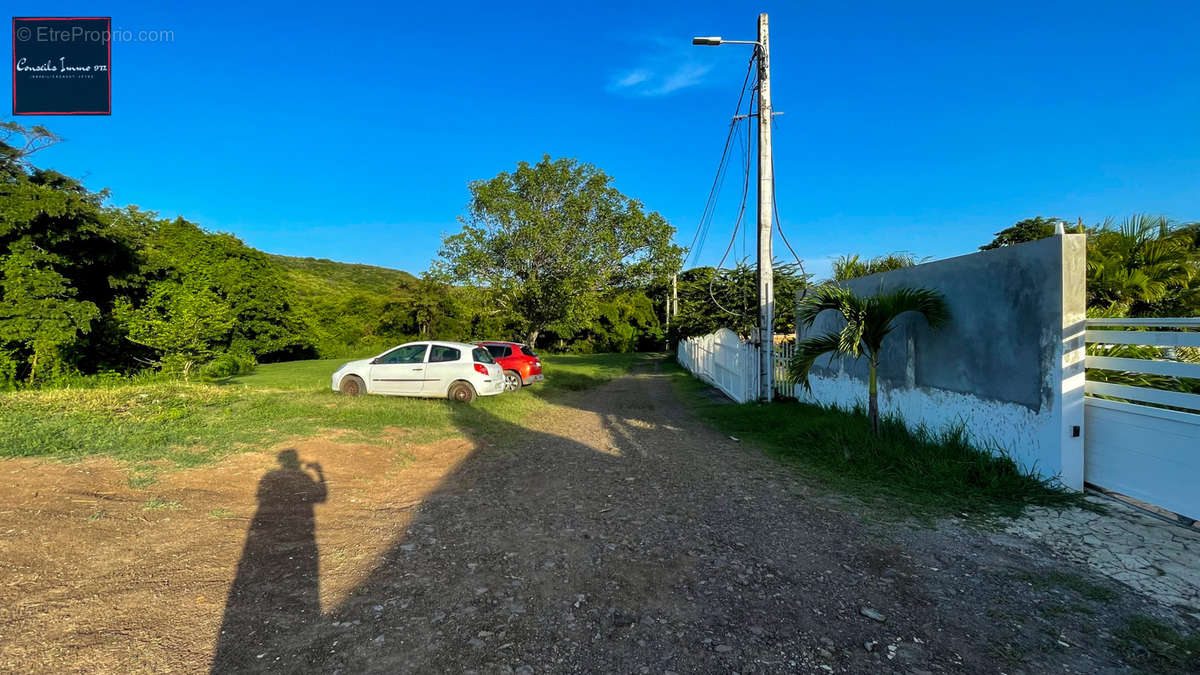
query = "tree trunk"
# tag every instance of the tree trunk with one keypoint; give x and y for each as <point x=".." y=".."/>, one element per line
<point x="532" y="337"/>
<point x="33" y="367"/>
<point x="873" y="400"/>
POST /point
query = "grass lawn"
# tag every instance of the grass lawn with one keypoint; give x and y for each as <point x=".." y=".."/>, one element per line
<point x="937" y="474"/>
<point x="195" y="423"/>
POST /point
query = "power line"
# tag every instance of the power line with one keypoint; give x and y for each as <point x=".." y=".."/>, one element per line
<point x="693" y="250"/>
<point x="711" y="204"/>
<point x="741" y="210"/>
<point x="779" y="226"/>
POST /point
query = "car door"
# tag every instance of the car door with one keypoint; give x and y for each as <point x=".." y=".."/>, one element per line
<point x="444" y="366"/>
<point x="400" y="371"/>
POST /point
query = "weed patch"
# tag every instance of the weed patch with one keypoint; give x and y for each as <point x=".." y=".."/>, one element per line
<point x="938" y="473"/>
<point x="1151" y="644"/>
<point x="157" y="504"/>
<point x="1057" y="579"/>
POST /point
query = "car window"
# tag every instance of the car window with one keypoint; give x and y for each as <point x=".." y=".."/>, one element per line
<point x="528" y="350"/>
<point x="405" y="354"/>
<point x="482" y="355"/>
<point x="497" y="351"/>
<point x="441" y="354"/>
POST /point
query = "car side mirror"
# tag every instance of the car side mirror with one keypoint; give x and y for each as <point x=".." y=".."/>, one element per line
<point x="374" y="361"/>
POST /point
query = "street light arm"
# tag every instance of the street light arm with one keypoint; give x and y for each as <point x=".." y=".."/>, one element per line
<point x="716" y="41"/>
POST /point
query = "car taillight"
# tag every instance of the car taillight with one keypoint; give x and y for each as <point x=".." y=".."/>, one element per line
<point x="481" y="369"/>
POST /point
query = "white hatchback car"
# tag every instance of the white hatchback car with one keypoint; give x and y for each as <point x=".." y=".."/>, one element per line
<point x="453" y="370"/>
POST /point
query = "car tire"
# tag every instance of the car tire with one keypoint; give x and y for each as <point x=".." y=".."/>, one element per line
<point x="512" y="380"/>
<point x="461" y="392"/>
<point x="352" y="385"/>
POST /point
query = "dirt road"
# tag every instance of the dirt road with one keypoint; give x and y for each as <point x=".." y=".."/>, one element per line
<point x="613" y="534"/>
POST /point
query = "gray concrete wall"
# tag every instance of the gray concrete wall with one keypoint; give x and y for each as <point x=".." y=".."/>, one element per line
<point x="1015" y="315"/>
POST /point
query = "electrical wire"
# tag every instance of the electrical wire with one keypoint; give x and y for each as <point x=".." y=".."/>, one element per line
<point x="701" y="235"/>
<point x="698" y="240"/>
<point x="713" y="195"/>
<point x="741" y="212"/>
<point x="779" y="226"/>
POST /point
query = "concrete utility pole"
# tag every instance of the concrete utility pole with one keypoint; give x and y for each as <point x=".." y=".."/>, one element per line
<point x="674" y="296"/>
<point x="766" y="200"/>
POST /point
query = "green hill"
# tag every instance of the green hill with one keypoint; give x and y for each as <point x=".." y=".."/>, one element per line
<point x="322" y="277"/>
<point x="348" y="308"/>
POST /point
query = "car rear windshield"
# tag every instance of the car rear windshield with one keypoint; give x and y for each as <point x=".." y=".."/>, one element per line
<point x="482" y="356"/>
<point x="528" y="350"/>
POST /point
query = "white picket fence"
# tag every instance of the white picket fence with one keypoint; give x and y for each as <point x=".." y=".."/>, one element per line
<point x="723" y="360"/>
<point x="783" y="355"/>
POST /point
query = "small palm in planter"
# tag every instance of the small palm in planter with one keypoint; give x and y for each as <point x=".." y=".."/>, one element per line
<point x="868" y="321"/>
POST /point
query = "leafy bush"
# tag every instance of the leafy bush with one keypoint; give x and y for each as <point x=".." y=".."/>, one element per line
<point x="228" y="365"/>
<point x="581" y="347"/>
<point x="8" y="370"/>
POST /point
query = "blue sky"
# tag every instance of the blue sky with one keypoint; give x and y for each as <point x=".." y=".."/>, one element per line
<point x="350" y="132"/>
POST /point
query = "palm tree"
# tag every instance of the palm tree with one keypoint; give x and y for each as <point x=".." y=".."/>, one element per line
<point x="848" y="267"/>
<point x="868" y="321"/>
<point x="1142" y="261"/>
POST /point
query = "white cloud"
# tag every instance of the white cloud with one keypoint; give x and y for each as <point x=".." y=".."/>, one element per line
<point x="670" y="68"/>
<point x="633" y="77"/>
<point x="685" y="76"/>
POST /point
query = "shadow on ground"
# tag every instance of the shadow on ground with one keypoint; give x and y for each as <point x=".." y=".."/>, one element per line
<point x="621" y="536"/>
<point x="518" y="508"/>
<point x="276" y="591"/>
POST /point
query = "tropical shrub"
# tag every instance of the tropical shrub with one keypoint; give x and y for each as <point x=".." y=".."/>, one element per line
<point x="868" y="321"/>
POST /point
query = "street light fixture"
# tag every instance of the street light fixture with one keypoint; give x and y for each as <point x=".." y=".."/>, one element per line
<point x="716" y="41"/>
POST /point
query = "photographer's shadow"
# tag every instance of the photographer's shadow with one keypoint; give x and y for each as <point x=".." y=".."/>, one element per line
<point x="277" y="588"/>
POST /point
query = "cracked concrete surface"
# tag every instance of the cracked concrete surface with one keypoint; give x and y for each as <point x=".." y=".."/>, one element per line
<point x="1156" y="558"/>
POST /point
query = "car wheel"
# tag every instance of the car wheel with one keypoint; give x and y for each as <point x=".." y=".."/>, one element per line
<point x="512" y="380"/>
<point x="461" y="392"/>
<point x="352" y="385"/>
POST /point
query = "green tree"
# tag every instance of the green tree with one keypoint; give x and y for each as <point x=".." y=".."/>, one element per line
<point x="852" y="266"/>
<point x="548" y="240"/>
<point x="186" y="324"/>
<point x="710" y="299"/>
<point x="94" y="255"/>
<point x="1030" y="229"/>
<point x="245" y="280"/>
<point x="868" y="322"/>
<point x="39" y="314"/>
<point x="17" y="143"/>
<point x="625" y="321"/>
<point x="1142" y="267"/>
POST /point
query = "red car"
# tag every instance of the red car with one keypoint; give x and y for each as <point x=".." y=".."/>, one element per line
<point x="521" y="366"/>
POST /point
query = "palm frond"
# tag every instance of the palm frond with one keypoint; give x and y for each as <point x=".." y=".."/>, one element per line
<point x="929" y="304"/>
<point x="822" y="298"/>
<point x="808" y="351"/>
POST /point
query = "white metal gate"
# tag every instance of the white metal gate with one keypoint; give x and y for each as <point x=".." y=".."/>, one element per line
<point x="1143" y="439"/>
<point x="723" y="360"/>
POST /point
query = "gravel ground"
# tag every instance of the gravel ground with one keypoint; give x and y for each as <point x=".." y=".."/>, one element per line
<point x="617" y="534"/>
